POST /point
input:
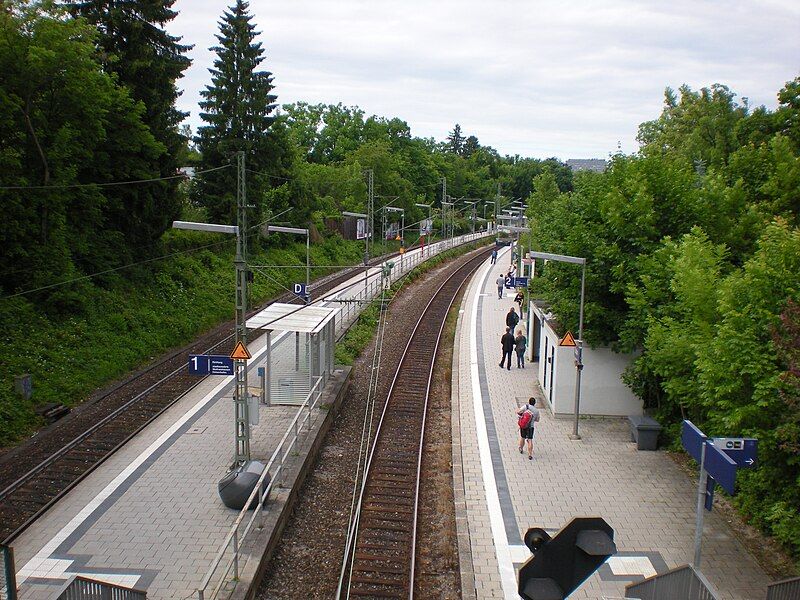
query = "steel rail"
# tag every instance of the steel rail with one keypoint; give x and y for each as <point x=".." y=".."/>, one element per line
<point x="382" y="562"/>
<point x="327" y="282"/>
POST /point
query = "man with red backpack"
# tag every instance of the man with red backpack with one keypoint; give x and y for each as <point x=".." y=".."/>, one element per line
<point x="527" y="417"/>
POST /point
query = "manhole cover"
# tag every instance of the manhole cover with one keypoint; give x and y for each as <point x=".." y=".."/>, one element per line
<point x="196" y="430"/>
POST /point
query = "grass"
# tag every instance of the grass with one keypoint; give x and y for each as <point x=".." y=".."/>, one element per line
<point x="123" y="324"/>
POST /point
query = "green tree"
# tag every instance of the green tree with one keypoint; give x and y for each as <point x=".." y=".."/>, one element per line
<point x="148" y="62"/>
<point x="237" y="108"/>
<point x="67" y="123"/>
<point x="455" y="140"/>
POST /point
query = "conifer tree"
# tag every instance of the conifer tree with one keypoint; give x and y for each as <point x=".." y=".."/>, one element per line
<point x="148" y="61"/>
<point x="455" y="141"/>
<point x="237" y="108"/>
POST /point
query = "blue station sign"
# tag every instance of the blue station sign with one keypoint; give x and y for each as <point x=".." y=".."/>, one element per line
<point x="743" y="451"/>
<point x="210" y="364"/>
<point x="299" y="289"/>
<point x="718" y="457"/>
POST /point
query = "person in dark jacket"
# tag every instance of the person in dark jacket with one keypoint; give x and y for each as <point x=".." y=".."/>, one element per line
<point x="512" y="318"/>
<point x="507" y="342"/>
<point x="520" y="344"/>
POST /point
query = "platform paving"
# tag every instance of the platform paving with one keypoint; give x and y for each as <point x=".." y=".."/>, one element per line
<point x="644" y="496"/>
<point x="150" y="517"/>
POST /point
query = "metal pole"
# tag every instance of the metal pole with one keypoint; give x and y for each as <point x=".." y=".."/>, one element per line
<point x="242" y="424"/>
<point x="701" y="494"/>
<point x="444" y="200"/>
<point x="579" y="360"/>
<point x="269" y="367"/>
<point x="308" y="268"/>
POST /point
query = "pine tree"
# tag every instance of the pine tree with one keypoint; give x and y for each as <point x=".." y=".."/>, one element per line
<point x="238" y="108"/>
<point x="455" y="141"/>
<point x="148" y="62"/>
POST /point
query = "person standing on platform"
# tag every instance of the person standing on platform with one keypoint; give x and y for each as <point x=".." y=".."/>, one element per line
<point x="520" y="344"/>
<point x="512" y="318"/>
<point x="494" y="256"/>
<point x="527" y="417"/>
<point x="501" y="282"/>
<point x="507" y="343"/>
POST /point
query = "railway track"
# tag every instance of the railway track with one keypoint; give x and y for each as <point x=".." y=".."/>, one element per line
<point x="381" y="559"/>
<point x="71" y="451"/>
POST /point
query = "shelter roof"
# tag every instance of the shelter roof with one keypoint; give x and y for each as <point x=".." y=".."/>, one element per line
<point x="292" y="317"/>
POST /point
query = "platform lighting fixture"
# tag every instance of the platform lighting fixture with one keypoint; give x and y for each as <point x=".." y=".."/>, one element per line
<point x="579" y="342"/>
<point x="395" y="209"/>
<point x="367" y="235"/>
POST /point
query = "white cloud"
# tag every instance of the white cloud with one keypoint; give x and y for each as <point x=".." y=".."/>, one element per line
<point x="529" y="77"/>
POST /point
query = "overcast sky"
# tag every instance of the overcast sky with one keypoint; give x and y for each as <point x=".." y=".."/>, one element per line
<point x="570" y="79"/>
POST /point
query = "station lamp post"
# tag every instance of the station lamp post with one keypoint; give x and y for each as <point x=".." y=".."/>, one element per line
<point x="448" y="230"/>
<point x="298" y="231"/>
<point x="471" y="205"/>
<point x="366" y="241"/>
<point x="492" y="202"/>
<point x="395" y="209"/>
<point x="579" y="342"/>
<point x="428" y="225"/>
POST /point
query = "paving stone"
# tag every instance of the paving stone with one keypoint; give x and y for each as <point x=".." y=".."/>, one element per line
<point x="646" y="498"/>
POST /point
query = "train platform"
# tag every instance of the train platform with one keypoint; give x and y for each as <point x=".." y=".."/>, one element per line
<point x="644" y="496"/>
<point x="150" y="516"/>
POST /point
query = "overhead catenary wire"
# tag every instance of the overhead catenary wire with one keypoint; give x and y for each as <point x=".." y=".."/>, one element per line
<point x="107" y="183"/>
<point x="112" y="270"/>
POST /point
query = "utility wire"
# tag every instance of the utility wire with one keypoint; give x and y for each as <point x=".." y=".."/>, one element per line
<point x="108" y="184"/>
<point x="76" y="279"/>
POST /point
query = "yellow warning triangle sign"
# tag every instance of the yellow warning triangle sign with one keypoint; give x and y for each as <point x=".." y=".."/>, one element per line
<point x="240" y="352"/>
<point x="567" y="340"/>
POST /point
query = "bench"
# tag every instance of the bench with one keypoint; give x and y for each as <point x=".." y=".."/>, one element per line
<point x="644" y="431"/>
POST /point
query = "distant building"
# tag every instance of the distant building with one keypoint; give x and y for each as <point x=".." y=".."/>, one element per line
<point x="598" y="165"/>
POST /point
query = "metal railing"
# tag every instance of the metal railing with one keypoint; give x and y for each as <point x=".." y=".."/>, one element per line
<point x="682" y="583"/>
<point x="275" y="469"/>
<point x="275" y="472"/>
<point x="82" y="588"/>
<point x="8" y="574"/>
<point x="788" y="589"/>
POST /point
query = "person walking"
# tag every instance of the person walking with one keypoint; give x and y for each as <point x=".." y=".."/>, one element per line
<point x="512" y="318"/>
<point x="527" y="417"/>
<point x="520" y="344"/>
<point x="494" y="256"/>
<point x="501" y="282"/>
<point x="507" y="343"/>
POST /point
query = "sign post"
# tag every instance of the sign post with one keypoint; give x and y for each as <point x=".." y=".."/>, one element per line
<point x="718" y="459"/>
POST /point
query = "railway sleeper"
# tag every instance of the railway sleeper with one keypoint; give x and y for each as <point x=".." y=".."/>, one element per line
<point x="378" y="580"/>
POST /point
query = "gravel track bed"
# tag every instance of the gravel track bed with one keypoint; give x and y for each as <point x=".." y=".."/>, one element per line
<point x="307" y="561"/>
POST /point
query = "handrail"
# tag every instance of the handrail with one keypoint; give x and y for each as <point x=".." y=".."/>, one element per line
<point x="233" y="538"/>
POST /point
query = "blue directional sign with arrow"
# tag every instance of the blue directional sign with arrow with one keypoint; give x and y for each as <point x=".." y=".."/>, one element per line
<point x="744" y="451"/>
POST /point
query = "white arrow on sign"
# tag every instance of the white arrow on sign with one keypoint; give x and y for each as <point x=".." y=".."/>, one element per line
<point x="749" y="461"/>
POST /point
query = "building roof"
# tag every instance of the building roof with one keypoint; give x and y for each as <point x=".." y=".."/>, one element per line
<point x="598" y="165"/>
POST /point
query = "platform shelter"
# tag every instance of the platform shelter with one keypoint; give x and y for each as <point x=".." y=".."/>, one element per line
<point x="300" y="356"/>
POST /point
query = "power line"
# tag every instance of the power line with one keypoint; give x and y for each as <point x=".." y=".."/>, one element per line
<point x="108" y="184"/>
<point x="60" y="283"/>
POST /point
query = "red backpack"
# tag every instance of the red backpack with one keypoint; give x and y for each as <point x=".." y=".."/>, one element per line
<point x="524" y="420"/>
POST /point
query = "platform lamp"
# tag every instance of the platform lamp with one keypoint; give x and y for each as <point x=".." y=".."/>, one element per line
<point x="236" y="486"/>
<point x="579" y="342"/>
<point x="366" y="243"/>
<point x="428" y="224"/>
<point x="492" y="202"/>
